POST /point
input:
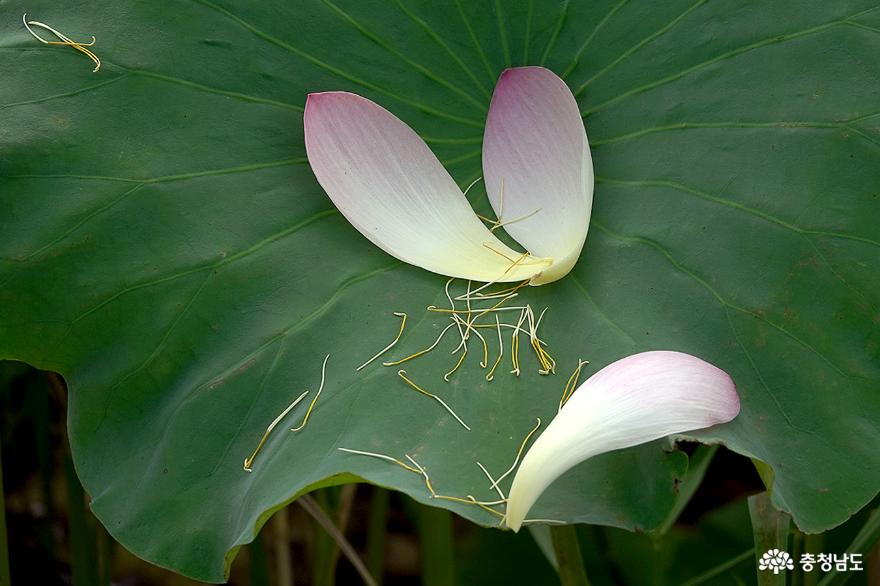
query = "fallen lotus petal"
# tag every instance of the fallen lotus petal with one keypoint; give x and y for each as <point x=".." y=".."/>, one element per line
<point x="535" y="151"/>
<point x="390" y="186"/>
<point x="635" y="400"/>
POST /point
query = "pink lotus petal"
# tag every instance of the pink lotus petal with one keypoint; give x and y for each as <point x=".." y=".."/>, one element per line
<point x="536" y="143"/>
<point x="390" y="186"/>
<point x="635" y="400"/>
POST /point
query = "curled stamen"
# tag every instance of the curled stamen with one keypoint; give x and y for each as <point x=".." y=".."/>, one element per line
<point x="315" y="400"/>
<point x="457" y="365"/>
<point x="249" y="461"/>
<point x="402" y="374"/>
<point x="381" y="457"/>
<point x="65" y="40"/>
<point x="519" y="452"/>
<point x="389" y="346"/>
<point x="421" y="352"/>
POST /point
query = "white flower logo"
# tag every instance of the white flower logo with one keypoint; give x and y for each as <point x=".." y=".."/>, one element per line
<point x="775" y="560"/>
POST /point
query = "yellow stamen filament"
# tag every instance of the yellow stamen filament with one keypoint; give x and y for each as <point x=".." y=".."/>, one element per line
<point x="315" y="400"/>
<point x="249" y="461"/>
<point x="494" y="294"/>
<point x="436" y="309"/>
<point x="381" y="457"/>
<point x="510" y="268"/>
<point x="474" y="182"/>
<point x="550" y="521"/>
<point x="65" y="40"/>
<point x="519" y="452"/>
<point x="468" y="326"/>
<point x="498" y="252"/>
<point x="548" y="364"/>
<point x="491" y="375"/>
<point x="514" y="343"/>
<point x="494" y="483"/>
<point x="424" y="474"/>
<point x="457" y="365"/>
<point x="571" y="385"/>
<point x="420" y="470"/>
<point x="499" y="224"/>
<point x="452" y="306"/>
<point x="468" y="501"/>
<point x="389" y="346"/>
<point x="402" y="374"/>
<point x="420" y="352"/>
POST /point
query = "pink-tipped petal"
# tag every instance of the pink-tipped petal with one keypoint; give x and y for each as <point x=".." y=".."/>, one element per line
<point x="536" y="144"/>
<point x="635" y="400"/>
<point x="390" y="186"/>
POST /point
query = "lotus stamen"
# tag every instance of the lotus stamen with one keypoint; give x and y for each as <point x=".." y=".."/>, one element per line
<point x="249" y="461"/>
<point x="389" y="346"/>
<point x="402" y="374"/>
<point x="65" y="40"/>
<point x="315" y="400"/>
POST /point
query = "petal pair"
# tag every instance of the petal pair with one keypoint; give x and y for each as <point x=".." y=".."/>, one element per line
<point x="637" y="399"/>
<point x="390" y="186"/>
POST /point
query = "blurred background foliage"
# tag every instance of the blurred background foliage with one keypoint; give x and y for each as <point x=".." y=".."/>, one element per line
<point x="54" y="539"/>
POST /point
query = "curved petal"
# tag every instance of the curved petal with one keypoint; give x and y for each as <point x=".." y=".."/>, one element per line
<point x="535" y="143"/>
<point x="635" y="400"/>
<point x="390" y="186"/>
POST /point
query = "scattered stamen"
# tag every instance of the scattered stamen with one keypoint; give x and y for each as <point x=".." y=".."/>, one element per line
<point x="550" y="521"/>
<point x="382" y="457"/>
<point x="457" y="365"/>
<point x="421" y="352"/>
<point x="519" y="452"/>
<point x="468" y="325"/>
<point x="452" y="306"/>
<point x="249" y="461"/>
<point x="499" y="224"/>
<point x="65" y="40"/>
<point x="389" y="346"/>
<point x="571" y="385"/>
<point x="474" y="182"/>
<point x="491" y="375"/>
<point x="424" y="474"/>
<point x="494" y="482"/>
<point x="514" y="343"/>
<point x="402" y="374"/>
<point x="315" y="400"/>
<point x="510" y="268"/>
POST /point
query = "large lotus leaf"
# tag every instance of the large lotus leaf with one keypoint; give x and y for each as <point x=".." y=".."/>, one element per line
<point x="166" y="248"/>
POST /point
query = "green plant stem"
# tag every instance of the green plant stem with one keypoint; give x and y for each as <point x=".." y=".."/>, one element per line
<point x="864" y="540"/>
<point x="770" y="528"/>
<point x="83" y="554"/>
<point x="376" y="532"/>
<point x="259" y="565"/>
<point x="435" y="544"/>
<point x="568" y="556"/>
<point x="5" y="579"/>
<point x="813" y="543"/>
<point x="281" y="547"/>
